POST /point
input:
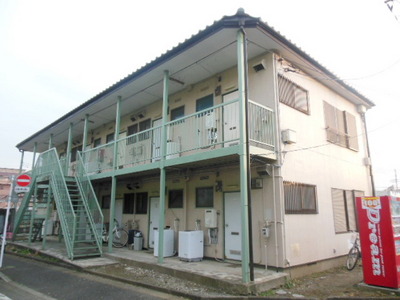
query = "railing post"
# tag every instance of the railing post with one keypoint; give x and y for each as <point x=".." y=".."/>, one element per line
<point x="46" y="221"/>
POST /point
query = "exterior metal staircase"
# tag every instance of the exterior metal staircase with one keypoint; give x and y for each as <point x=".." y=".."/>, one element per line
<point x="80" y="216"/>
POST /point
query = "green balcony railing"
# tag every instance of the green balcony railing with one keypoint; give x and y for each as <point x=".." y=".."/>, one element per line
<point x="212" y="128"/>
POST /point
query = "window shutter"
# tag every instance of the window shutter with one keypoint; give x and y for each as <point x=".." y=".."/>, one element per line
<point x="339" y="211"/>
<point x="351" y="211"/>
<point x="351" y="130"/>
<point x="292" y="95"/>
<point x="330" y="122"/>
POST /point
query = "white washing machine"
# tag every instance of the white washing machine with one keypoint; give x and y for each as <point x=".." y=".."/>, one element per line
<point x="168" y="242"/>
<point x="191" y="246"/>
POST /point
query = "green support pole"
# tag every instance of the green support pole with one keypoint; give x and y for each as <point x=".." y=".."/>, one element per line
<point x="162" y="169"/>
<point x="85" y="132"/>
<point x="22" y="161"/>
<point x="114" y="179"/>
<point x="32" y="215"/>
<point x="69" y="148"/>
<point x="112" y="212"/>
<point x="51" y="141"/>
<point x="243" y="157"/>
<point x="46" y="221"/>
<point x="34" y="155"/>
<point x="116" y="132"/>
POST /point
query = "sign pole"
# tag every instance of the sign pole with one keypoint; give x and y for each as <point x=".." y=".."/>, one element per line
<point x="3" y="242"/>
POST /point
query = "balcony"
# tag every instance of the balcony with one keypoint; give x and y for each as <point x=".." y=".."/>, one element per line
<point x="207" y="134"/>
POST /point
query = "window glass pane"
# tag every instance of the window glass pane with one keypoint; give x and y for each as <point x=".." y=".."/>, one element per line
<point x="132" y="130"/>
<point x="97" y="142"/>
<point x="141" y="203"/>
<point x="205" y="102"/>
<point x="175" y="199"/>
<point x="300" y="198"/>
<point x="110" y="137"/>
<point x="205" y="197"/>
<point x="177" y="113"/>
<point x="144" y="125"/>
<point x="129" y="201"/>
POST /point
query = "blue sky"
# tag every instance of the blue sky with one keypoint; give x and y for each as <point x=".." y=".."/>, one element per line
<point x="54" y="55"/>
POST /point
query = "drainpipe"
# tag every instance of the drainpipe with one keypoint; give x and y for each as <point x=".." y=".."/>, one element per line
<point x="247" y="270"/>
<point x="113" y="178"/>
<point x="69" y="147"/>
<point x="368" y="153"/>
<point x="162" y="169"/>
<point x="34" y="155"/>
<point x="22" y="160"/>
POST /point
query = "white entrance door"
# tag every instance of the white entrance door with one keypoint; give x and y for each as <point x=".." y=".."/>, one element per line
<point x="156" y="143"/>
<point x="233" y="228"/>
<point x="231" y="119"/>
<point x="154" y="217"/>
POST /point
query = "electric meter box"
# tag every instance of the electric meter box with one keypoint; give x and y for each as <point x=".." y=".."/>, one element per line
<point x="210" y="218"/>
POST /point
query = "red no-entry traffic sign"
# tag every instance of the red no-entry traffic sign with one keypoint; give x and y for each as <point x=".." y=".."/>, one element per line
<point x="23" y="180"/>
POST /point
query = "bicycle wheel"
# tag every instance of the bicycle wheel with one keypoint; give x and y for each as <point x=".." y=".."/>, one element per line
<point x="120" y="238"/>
<point x="352" y="258"/>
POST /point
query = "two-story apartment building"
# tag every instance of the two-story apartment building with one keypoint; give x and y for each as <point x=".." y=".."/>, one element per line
<point x="236" y="132"/>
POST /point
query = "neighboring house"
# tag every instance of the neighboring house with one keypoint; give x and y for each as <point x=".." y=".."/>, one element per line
<point x="390" y="191"/>
<point x="167" y="147"/>
<point x="6" y="176"/>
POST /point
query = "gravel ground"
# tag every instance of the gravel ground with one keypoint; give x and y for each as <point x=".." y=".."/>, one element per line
<point x="152" y="278"/>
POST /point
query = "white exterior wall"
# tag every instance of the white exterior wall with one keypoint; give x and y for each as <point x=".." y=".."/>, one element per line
<point x="313" y="160"/>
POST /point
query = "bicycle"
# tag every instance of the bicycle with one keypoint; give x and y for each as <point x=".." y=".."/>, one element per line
<point x="354" y="254"/>
<point x="120" y="235"/>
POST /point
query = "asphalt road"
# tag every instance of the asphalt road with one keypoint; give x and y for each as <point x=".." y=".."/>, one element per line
<point x="31" y="279"/>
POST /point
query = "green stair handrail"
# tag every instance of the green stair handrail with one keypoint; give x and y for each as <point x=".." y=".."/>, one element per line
<point x="48" y="167"/>
<point x="90" y="202"/>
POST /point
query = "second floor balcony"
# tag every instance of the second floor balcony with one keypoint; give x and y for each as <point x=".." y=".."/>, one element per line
<point x="207" y="134"/>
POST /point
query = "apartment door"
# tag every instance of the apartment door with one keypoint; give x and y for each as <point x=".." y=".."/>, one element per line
<point x="156" y="142"/>
<point x="233" y="226"/>
<point x="154" y="217"/>
<point x="231" y="119"/>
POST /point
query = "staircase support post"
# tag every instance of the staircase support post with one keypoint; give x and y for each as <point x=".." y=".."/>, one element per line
<point x="46" y="221"/>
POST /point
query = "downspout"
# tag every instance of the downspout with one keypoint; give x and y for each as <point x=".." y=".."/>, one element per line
<point x="368" y="153"/>
<point x="278" y="168"/>
<point x="113" y="177"/>
<point x="162" y="169"/>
